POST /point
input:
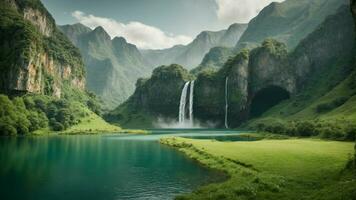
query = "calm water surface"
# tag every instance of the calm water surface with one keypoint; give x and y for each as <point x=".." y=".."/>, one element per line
<point x="101" y="167"/>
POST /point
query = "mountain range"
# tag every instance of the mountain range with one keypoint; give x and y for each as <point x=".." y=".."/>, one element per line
<point x="191" y="55"/>
<point x="112" y="65"/>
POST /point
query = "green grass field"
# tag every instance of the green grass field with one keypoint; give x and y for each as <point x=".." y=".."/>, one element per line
<point x="273" y="169"/>
<point x="91" y="124"/>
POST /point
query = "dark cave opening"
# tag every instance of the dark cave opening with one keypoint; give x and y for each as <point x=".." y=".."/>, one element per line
<point x="266" y="99"/>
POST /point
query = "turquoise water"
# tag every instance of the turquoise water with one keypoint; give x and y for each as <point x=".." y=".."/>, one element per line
<point x="101" y="167"/>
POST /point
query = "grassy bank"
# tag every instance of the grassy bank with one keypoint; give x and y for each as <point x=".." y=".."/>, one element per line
<point x="273" y="169"/>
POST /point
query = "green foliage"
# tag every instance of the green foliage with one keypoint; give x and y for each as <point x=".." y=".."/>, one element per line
<point x="337" y="130"/>
<point x="326" y="107"/>
<point x="23" y="115"/>
<point x="63" y="51"/>
<point x="170" y="71"/>
<point x="18" y="40"/>
<point x="279" y="49"/>
<point x="289" y="21"/>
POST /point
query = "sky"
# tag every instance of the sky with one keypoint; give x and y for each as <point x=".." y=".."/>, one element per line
<point x="155" y="24"/>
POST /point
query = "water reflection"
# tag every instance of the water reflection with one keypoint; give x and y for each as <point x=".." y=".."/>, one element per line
<point x="96" y="167"/>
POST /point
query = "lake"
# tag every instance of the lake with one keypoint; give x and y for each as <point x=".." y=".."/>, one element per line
<point x="102" y="167"/>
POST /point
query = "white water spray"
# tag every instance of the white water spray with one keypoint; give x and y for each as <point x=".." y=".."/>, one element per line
<point x="226" y="102"/>
<point x="183" y="101"/>
<point x="191" y="99"/>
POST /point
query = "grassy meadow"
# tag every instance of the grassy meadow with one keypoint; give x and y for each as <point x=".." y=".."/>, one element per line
<point x="273" y="169"/>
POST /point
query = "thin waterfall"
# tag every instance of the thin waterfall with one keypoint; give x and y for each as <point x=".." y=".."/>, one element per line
<point x="191" y="98"/>
<point x="226" y="102"/>
<point x="183" y="101"/>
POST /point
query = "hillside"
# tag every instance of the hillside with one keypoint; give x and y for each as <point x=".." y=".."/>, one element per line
<point x="326" y="95"/>
<point x="288" y="22"/>
<point x="192" y="54"/>
<point x="42" y="74"/>
<point x="112" y="65"/>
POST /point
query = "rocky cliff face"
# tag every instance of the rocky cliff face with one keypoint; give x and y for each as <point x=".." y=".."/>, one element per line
<point x="156" y="97"/>
<point x="37" y="58"/>
<point x="330" y="43"/>
<point x="160" y="94"/>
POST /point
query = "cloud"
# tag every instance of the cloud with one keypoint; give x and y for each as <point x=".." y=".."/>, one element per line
<point x="142" y="35"/>
<point x="240" y="11"/>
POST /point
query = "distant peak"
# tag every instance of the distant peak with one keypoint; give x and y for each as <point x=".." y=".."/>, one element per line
<point x="237" y="25"/>
<point x="101" y="31"/>
<point x="120" y="39"/>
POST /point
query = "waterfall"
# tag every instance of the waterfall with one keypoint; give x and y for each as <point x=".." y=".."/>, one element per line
<point x="191" y="98"/>
<point x="226" y="102"/>
<point x="183" y="101"/>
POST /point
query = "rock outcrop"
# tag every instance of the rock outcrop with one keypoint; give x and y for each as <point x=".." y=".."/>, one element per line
<point x="36" y="58"/>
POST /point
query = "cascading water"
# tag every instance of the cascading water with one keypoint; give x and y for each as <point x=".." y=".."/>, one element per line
<point x="226" y="102"/>
<point x="183" y="101"/>
<point x="191" y="99"/>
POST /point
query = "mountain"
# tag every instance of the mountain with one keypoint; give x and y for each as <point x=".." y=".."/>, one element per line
<point x="113" y="65"/>
<point x="192" y="54"/>
<point x="214" y="59"/>
<point x="288" y="22"/>
<point x="265" y="84"/>
<point x="42" y="76"/>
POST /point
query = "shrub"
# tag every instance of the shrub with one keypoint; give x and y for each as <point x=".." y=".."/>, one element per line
<point x="56" y="126"/>
<point x="6" y="129"/>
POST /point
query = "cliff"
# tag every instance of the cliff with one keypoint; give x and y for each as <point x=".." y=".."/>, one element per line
<point x="36" y="57"/>
<point x="156" y="97"/>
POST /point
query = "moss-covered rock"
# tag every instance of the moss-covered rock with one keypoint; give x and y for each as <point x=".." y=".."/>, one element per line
<point x="34" y="50"/>
<point x="156" y="97"/>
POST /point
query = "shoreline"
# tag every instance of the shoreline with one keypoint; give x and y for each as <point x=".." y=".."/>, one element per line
<point x="249" y="180"/>
<point x="234" y="170"/>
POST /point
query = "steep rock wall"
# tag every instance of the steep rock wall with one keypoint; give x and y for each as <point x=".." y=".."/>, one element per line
<point x="37" y="58"/>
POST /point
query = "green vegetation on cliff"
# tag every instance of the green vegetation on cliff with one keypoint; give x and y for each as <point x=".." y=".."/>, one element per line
<point x="155" y="97"/>
<point x="325" y="100"/>
<point x="273" y="169"/>
<point x="30" y="39"/>
<point x="289" y="21"/>
<point x="42" y="74"/>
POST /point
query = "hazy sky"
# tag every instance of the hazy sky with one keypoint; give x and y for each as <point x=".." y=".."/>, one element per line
<point x="155" y="24"/>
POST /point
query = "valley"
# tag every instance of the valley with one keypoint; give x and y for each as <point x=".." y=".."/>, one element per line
<point x="259" y="109"/>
